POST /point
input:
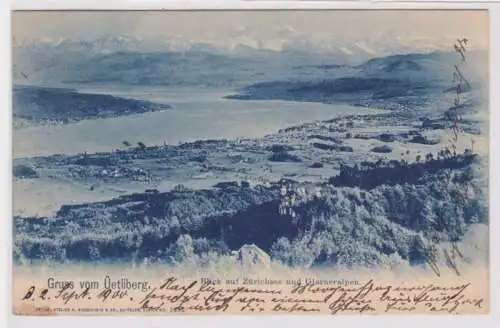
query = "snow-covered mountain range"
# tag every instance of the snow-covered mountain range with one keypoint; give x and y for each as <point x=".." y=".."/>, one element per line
<point x="180" y="62"/>
<point x="352" y="50"/>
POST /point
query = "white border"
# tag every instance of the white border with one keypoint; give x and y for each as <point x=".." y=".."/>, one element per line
<point x="241" y="4"/>
<point x="491" y="320"/>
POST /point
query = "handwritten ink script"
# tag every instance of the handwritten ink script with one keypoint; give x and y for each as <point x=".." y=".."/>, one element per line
<point x="462" y="85"/>
<point x="174" y="296"/>
<point x="453" y="253"/>
<point x="451" y="256"/>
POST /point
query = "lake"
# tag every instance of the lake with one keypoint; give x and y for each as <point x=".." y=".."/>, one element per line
<point x="195" y="114"/>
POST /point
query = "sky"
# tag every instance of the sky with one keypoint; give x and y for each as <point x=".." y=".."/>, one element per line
<point x="266" y="29"/>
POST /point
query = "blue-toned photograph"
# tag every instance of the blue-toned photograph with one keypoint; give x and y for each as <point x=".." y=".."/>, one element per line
<point x="229" y="141"/>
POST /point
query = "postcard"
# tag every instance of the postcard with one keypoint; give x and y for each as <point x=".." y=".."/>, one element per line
<point x="319" y="162"/>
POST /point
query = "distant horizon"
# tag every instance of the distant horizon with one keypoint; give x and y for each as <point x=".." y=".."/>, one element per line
<point x="332" y="31"/>
<point x="357" y="56"/>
